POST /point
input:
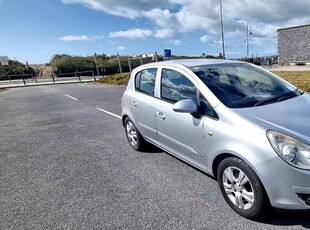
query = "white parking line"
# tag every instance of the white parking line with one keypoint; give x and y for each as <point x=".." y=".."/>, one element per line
<point x="52" y="89"/>
<point x="102" y="110"/>
<point x="71" y="97"/>
<point x="107" y="112"/>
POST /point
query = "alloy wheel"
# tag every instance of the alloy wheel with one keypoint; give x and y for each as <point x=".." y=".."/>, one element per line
<point x="131" y="133"/>
<point x="238" y="187"/>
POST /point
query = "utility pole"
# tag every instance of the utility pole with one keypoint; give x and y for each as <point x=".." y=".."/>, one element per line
<point x="248" y="32"/>
<point x="119" y="64"/>
<point x="222" y="29"/>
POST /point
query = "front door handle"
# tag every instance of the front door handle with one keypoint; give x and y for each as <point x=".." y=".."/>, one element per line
<point x="161" y="115"/>
<point x="133" y="103"/>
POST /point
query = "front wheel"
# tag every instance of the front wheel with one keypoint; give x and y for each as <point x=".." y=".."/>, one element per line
<point x="134" y="138"/>
<point x="241" y="188"/>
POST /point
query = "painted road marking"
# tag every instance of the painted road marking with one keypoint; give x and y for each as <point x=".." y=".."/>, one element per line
<point x="71" y="97"/>
<point x="107" y="112"/>
<point x="52" y="89"/>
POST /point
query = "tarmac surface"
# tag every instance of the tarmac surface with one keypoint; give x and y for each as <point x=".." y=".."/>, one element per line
<point x="65" y="163"/>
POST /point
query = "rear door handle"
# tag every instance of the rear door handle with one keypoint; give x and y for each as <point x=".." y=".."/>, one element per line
<point x="133" y="103"/>
<point x="161" y="115"/>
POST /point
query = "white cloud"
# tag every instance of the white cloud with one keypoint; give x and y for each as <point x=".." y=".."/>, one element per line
<point x="176" y="42"/>
<point x="209" y="39"/>
<point x="167" y="18"/>
<point x="201" y="14"/>
<point x="133" y="34"/>
<point x="162" y="18"/>
<point x="121" y="48"/>
<point x="205" y="39"/>
<point x="164" y="33"/>
<point x="129" y="8"/>
<point x="80" y="38"/>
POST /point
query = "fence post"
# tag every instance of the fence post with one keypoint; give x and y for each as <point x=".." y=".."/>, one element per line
<point x="53" y="77"/>
<point x="129" y="64"/>
<point x="94" y="75"/>
<point x="79" y="76"/>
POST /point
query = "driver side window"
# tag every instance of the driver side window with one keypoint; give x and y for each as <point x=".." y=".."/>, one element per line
<point x="175" y="87"/>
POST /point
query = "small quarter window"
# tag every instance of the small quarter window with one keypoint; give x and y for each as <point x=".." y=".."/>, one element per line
<point x="145" y="81"/>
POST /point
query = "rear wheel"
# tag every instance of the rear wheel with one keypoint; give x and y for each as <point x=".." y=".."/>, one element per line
<point x="241" y="188"/>
<point x="134" y="138"/>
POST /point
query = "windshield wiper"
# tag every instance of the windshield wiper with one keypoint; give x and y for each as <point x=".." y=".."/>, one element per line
<point x="278" y="98"/>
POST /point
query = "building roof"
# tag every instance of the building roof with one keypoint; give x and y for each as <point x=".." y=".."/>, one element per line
<point x="293" y="27"/>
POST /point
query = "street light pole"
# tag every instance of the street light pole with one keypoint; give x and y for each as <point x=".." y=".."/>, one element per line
<point x="248" y="32"/>
<point x="222" y="29"/>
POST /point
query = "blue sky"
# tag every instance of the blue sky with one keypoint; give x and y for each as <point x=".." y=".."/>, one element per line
<point x="35" y="30"/>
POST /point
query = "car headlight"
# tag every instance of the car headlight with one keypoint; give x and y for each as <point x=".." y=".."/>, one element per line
<point x="293" y="151"/>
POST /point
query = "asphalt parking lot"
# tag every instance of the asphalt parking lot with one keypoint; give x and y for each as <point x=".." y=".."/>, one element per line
<point x="65" y="164"/>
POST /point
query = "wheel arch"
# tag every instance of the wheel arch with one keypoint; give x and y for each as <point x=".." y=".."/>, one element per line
<point x="219" y="158"/>
<point x="123" y="119"/>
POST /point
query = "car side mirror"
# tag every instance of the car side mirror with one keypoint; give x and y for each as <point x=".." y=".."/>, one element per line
<point x="185" y="106"/>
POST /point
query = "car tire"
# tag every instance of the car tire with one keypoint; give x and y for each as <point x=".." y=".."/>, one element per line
<point x="242" y="189"/>
<point x="134" y="137"/>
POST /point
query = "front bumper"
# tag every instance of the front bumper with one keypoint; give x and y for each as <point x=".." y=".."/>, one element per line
<point x="287" y="187"/>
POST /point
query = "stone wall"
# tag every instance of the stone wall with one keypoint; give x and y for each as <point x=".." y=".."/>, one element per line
<point x="294" y="44"/>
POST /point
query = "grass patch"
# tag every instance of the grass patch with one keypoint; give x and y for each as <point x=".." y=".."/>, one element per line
<point x="116" y="79"/>
<point x="301" y="79"/>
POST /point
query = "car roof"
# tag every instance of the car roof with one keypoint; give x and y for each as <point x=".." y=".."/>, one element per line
<point x="198" y="62"/>
<point x="192" y="62"/>
<point x="184" y="64"/>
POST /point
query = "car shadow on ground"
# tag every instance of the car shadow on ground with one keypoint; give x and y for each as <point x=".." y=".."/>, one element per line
<point x="288" y="218"/>
<point x="274" y="217"/>
<point x="149" y="148"/>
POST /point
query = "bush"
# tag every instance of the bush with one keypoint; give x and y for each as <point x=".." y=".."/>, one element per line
<point x="117" y="79"/>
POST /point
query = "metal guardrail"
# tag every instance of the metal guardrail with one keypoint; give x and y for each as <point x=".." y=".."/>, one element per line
<point x="30" y="80"/>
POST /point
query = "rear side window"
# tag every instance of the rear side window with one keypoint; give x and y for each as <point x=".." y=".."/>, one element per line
<point x="145" y="81"/>
<point x="175" y="86"/>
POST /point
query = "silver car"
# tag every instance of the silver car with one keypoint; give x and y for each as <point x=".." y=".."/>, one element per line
<point x="240" y="123"/>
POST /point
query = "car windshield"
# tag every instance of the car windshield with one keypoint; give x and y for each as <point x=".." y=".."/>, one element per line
<point x="240" y="85"/>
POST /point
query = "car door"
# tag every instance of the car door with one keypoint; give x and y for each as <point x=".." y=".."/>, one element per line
<point x="180" y="133"/>
<point x="141" y="101"/>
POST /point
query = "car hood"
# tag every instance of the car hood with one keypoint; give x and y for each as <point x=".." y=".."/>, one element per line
<point x="291" y="116"/>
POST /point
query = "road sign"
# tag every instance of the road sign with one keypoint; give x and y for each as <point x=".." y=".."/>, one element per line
<point x="167" y="52"/>
<point x="4" y="60"/>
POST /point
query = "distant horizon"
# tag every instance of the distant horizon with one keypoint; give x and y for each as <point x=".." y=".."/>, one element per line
<point x="187" y="56"/>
